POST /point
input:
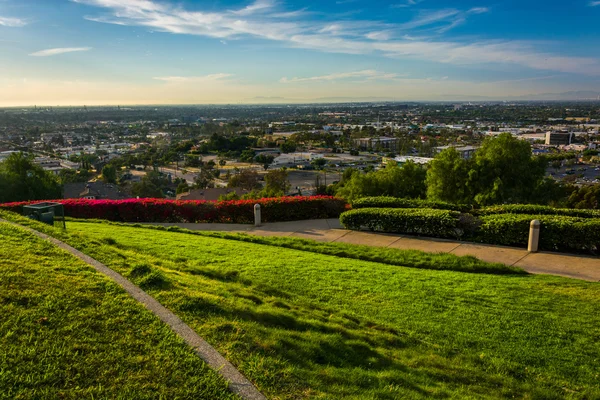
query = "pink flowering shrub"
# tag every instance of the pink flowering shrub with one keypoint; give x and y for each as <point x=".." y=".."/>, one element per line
<point x="235" y="211"/>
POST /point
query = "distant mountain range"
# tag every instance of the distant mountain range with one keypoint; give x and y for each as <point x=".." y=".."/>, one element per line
<point x="564" y="96"/>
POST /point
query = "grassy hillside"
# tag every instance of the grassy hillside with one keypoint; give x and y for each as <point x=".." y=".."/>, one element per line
<point x="67" y="332"/>
<point x="306" y="325"/>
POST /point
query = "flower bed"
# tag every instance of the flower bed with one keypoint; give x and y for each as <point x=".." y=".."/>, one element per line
<point x="235" y="211"/>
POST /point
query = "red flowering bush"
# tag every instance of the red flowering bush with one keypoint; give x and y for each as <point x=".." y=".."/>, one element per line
<point x="235" y="211"/>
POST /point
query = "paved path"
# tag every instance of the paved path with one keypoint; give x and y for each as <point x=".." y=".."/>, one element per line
<point x="330" y="230"/>
<point x="238" y="383"/>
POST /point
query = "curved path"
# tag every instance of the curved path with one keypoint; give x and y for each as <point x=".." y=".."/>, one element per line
<point x="238" y="383"/>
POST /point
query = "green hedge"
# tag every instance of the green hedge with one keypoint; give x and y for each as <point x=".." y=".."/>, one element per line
<point x="426" y="222"/>
<point x="532" y="209"/>
<point x="558" y="233"/>
<point x="394" y="202"/>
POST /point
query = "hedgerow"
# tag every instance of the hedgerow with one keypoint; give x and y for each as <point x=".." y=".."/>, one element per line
<point x="236" y="211"/>
<point x="557" y="233"/>
<point x="538" y="210"/>
<point x="425" y="222"/>
<point x="394" y="202"/>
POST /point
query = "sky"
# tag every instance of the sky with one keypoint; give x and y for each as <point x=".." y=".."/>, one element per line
<point x="97" y="52"/>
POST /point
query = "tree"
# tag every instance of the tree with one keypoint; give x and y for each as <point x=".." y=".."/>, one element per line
<point x="585" y="197"/>
<point x="319" y="163"/>
<point x="406" y="181"/>
<point x="21" y="179"/>
<point x="109" y="174"/>
<point x="247" y="179"/>
<point x="150" y="186"/>
<point x="276" y="183"/>
<point x="183" y="187"/>
<point x="288" y="147"/>
<point x="146" y="189"/>
<point x="504" y="171"/>
<point x="447" y="178"/>
<point x="204" y="179"/>
<point x="265" y="160"/>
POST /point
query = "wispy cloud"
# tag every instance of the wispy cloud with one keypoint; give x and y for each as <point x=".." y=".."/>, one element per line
<point x="368" y="74"/>
<point x="594" y="3"/>
<point x="442" y="20"/>
<point x="257" y="6"/>
<point x="57" y="51"/>
<point x="408" y="3"/>
<point x="348" y="37"/>
<point x="186" y="79"/>
<point x="12" y="22"/>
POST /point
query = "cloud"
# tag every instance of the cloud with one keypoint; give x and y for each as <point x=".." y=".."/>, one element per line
<point x="184" y="79"/>
<point x="12" y="22"/>
<point x="594" y="3"/>
<point x="349" y="37"/>
<point x="60" y="50"/>
<point x="257" y="6"/>
<point x="409" y="3"/>
<point x="442" y="20"/>
<point x="368" y="74"/>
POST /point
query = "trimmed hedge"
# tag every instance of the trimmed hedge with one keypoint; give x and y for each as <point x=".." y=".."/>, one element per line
<point x="558" y="233"/>
<point x="533" y="209"/>
<point x="426" y="222"/>
<point x="394" y="202"/>
<point x="236" y="211"/>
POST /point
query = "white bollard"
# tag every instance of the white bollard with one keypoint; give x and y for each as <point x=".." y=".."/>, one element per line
<point x="534" y="236"/>
<point x="257" y="215"/>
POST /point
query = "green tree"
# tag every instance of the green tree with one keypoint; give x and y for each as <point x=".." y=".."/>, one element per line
<point x="319" y="163"/>
<point x="447" y="178"/>
<point x="276" y="183"/>
<point x="204" y="179"/>
<point x="265" y="160"/>
<point x="395" y="181"/>
<point x="504" y="171"/>
<point x="21" y="179"/>
<point x="182" y="188"/>
<point x="146" y="189"/>
<point x="109" y="174"/>
<point x="247" y="179"/>
<point x="585" y="197"/>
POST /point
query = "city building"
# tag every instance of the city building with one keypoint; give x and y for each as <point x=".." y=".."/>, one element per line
<point x="373" y="143"/>
<point x="466" y="152"/>
<point x="558" y="138"/>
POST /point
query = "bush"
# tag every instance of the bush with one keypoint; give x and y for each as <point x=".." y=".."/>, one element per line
<point x="425" y="222"/>
<point x="238" y="211"/>
<point x="394" y="202"/>
<point x="532" y="209"/>
<point x="558" y="233"/>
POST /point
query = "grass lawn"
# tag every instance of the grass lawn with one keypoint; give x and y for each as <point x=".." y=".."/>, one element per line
<point x="307" y="325"/>
<point x="68" y="332"/>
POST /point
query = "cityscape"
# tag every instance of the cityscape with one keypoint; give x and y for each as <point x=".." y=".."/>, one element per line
<point x="288" y="200"/>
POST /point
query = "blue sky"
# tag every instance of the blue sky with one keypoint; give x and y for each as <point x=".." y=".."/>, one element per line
<point x="60" y="52"/>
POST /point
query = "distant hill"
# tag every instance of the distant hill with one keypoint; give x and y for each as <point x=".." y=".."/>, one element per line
<point x="564" y="96"/>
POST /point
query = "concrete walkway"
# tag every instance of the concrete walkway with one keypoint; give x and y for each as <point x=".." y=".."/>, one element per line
<point x="329" y="230"/>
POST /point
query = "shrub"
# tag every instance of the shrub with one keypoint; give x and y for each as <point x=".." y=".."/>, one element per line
<point x="393" y="202"/>
<point x="236" y="211"/>
<point x="558" y="233"/>
<point x="426" y="222"/>
<point x="532" y="209"/>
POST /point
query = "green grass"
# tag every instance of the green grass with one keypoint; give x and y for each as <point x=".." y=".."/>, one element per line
<point x="306" y="325"/>
<point x="68" y="332"/>
<point x="404" y="258"/>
